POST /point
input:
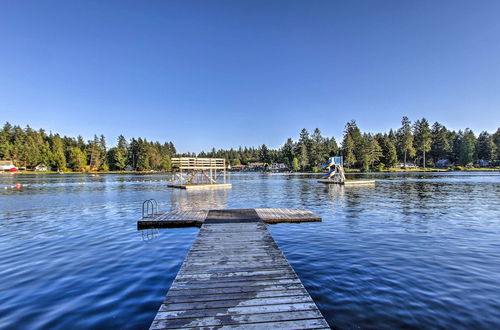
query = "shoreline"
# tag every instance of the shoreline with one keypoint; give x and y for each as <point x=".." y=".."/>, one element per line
<point x="348" y="171"/>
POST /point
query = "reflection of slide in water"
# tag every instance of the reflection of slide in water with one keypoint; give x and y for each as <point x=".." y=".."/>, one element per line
<point x="186" y="200"/>
<point x="330" y="174"/>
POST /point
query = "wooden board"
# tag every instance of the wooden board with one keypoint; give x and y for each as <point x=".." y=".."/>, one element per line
<point x="196" y="218"/>
<point x="348" y="182"/>
<point x="235" y="276"/>
<point x="201" y="186"/>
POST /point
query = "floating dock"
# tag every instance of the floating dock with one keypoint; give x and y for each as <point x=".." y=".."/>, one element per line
<point x="235" y="276"/>
<point x="201" y="186"/>
<point x="348" y="182"/>
<point x="196" y="218"/>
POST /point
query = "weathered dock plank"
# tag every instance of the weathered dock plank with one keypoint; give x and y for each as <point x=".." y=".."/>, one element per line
<point x="235" y="276"/>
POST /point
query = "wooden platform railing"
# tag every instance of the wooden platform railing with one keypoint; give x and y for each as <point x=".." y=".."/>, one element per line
<point x="198" y="163"/>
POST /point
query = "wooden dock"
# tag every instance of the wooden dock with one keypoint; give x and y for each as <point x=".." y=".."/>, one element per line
<point x="195" y="218"/>
<point x="235" y="276"/>
<point x="200" y="186"/>
<point x="348" y="182"/>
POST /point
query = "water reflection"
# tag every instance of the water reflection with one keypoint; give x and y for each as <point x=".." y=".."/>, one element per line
<point x="186" y="200"/>
<point x="149" y="234"/>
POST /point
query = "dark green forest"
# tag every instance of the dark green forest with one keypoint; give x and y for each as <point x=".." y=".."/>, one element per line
<point x="416" y="143"/>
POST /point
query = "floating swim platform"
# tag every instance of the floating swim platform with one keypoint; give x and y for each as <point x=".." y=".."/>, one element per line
<point x="202" y="186"/>
<point x="196" y="218"/>
<point x="235" y="276"/>
<point x="348" y="182"/>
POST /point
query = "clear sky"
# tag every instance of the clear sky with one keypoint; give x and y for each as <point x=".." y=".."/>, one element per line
<point x="231" y="73"/>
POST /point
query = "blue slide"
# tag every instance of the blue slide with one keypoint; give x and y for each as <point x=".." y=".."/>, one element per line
<point x="329" y="165"/>
<point x="330" y="174"/>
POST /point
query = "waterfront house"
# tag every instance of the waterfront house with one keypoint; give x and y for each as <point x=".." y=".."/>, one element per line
<point x="484" y="163"/>
<point x="277" y="167"/>
<point x="7" y="165"/>
<point x="408" y="165"/>
<point x="443" y="163"/>
<point x="41" y="168"/>
<point x="238" y="167"/>
<point x="256" y="166"/>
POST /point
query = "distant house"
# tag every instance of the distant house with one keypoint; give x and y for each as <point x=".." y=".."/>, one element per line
<point x="256" y="166"/>
<point x="443" y="163"/>
<point x="484" y="163"/>
<point x="7" y="165"/>
<point x="238" y="167"/>
<point x="277" y="167"/>
<point x="41" y="168"/>
<point x="129" y="168"/>
<point x="408" y="165"/>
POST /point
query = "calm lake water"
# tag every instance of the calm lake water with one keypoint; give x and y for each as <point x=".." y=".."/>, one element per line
<point x="413" y="251"/>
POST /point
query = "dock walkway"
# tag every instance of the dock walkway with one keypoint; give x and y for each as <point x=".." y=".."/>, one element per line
<point x="235" y="276"/>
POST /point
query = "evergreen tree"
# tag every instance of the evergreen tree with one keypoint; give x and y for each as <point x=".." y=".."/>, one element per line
<point x="303" y="157"/>
<point x="77" y="159"/>
<point x="295" y="164"/>
<point x="467" y="147"/>
<point x="358" y="144"/>
<point x="423" y="137"/>
<point x="375" y="151"/>
<point x="318" y="153"/>
<point x="264" y="154"/>
<point x="405" y="140"/>
<point x="485" y="146"/>
<point x="348" y="150"/>
<point x="58" y="158"/>
<point x="331" y="147"/>
<point x="103" y="154"/>
<point x="440" y="146"/>
<point x="94" y="154"/>
<point x="389" y="153"/>
<point x="287" y="151"/>
<point x="496" y="141"/>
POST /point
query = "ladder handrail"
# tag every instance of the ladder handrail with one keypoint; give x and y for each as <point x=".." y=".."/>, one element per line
<point x="145" y="207"/>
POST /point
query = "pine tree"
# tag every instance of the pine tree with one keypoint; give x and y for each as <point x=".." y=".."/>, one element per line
<point x="467" y="147"/>
<point x="485" y="146"/>
<point x="264" y="154"/>
<point x="405" y="139"/>
<point x="496" y="141"/>
<point x="77" y="159"/>
<point x="58" y="158"/>
<point x="440" y="146"/>
<point x="348" y="150"/>
<point x="303" y="157"/>
<point x="423" y="137"/>
<point x="287" y="151"/>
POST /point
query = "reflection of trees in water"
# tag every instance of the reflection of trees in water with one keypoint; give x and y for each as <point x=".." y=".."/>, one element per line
<point x="185" y="200"/>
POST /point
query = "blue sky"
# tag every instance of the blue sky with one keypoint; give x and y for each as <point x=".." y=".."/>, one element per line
<point x="230" y="73"/>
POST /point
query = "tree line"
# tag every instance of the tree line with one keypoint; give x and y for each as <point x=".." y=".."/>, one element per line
<point x="418" y="143"/>
<point x="28" y="148"/>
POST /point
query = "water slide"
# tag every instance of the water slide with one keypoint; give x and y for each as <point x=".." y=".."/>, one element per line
<point x="335" y="169"/>
<point x="330" y="165"/>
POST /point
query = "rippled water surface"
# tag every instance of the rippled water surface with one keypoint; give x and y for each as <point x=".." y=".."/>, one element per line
<point x="413" y="251"/>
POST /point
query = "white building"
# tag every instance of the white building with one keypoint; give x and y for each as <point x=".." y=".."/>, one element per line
<point x="277" y="166"/>
<point x="6" y="165"/>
